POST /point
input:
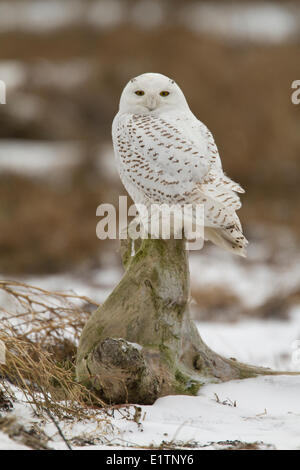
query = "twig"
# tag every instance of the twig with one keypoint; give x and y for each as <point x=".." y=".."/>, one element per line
<point x="58" y="428"/>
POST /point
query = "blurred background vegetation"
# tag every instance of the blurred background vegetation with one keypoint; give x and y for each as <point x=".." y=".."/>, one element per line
<point x="65" y="63"/>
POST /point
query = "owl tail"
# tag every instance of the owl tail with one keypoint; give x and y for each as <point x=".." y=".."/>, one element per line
<point x="231" y="239"/>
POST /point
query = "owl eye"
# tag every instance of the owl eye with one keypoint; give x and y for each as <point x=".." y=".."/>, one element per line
<point x="139" y="92"/>
<point x="164" y="93"/>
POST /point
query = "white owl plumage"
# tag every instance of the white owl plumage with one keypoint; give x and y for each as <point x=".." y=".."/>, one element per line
<point x="164" y="154"/>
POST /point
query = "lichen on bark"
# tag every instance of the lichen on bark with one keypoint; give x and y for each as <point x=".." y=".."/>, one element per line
<point x="141" y="343"/>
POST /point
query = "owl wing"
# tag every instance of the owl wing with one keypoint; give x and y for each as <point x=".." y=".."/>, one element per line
<point x="160" y="158"/>
<point x="217" y="190"/>
<point x="221" y="202"/>
<point x="214" y="159"/>
<point x="157" y="157"/>
<point x="165" y="160"/>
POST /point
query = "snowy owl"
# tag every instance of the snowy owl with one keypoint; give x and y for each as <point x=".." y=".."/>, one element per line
<point x="165" y="155"/>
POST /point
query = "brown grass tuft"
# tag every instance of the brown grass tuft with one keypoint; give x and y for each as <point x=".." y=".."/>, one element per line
<point x="41" y="333"/>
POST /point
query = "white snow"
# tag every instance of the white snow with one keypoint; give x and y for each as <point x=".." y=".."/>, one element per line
<point x="255" y="21"/>
<point x="38" y="15"/>
<point x="135" y="345"/>
<point x="44" y="15"/>
<point x="267" y="343"/>
<point x="253" y="279"/>
<point x="36" y="159"/>
<point x="264" y="409"/>
<point x="60" y="74"/>
<point x="13" y="73"/>
<point x="267" y="409"/>
<point x="2" y="352"/>
<point x="8" y="444"/>
<point x="50" y="159"/>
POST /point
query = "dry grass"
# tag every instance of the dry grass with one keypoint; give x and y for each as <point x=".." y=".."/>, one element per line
<point x="40" y="334"/>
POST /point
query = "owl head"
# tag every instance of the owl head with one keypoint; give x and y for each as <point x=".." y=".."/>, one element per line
<point x="152" y="93"/>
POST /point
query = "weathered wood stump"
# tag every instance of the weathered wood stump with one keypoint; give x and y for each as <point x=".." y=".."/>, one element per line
<point x="141" y="343"/>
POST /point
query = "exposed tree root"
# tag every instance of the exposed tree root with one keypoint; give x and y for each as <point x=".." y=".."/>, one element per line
<point x="141" y="343"/>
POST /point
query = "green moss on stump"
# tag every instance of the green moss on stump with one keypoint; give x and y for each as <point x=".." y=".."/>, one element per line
<point x="150" y="307"/>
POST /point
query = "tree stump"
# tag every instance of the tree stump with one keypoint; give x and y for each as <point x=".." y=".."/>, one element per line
<point x="141" y="343"/>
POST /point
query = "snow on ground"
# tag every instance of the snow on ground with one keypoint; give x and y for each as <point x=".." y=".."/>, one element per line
<point x="263" y="409"/>
<point x="255" y="21"/>
<point x="38" y="15"/>
<point x="66" y="74"/>
<point x="8" y="444"/>
<point x="268" y="343"/>
<point x="52" y="161"/>
<point x="267" y="409"/>
<point x="97" y="287"/>
<point x="253" y="280"/>
<point x="38" y="159"/>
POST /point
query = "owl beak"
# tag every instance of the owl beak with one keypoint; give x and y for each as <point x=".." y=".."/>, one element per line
<point x="151" y="102"/>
